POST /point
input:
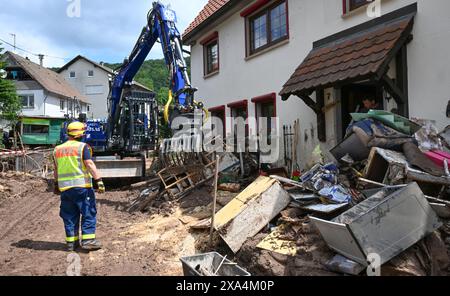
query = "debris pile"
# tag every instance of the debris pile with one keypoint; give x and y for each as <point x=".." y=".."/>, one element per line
<point x="16" y="184"/>
<point x="385" y="198"/>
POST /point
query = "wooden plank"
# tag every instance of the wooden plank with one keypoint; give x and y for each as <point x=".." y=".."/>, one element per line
<point x="274" y="244"/>
<point x="238" y="204"/>
<point x="287" y="181"/>
<point x="254" y="216"/>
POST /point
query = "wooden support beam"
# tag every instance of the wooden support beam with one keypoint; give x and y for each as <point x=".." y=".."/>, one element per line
<point x="402" y="79"/>
<point x="394" y="90"/>
<point x="318" y="108"/>
<point x="310" y="103"/>
<point x="321" y="121"/>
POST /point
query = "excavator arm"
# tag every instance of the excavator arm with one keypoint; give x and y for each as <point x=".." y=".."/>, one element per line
<point x="161" y="26"/>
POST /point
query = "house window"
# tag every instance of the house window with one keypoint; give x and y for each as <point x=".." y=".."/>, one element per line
<point x="265" y="108"/>
<point x="88" y="108"/>
<point x="27" y="101"/>
<point x="211" y="56"/>
<point x="35" y="129"/>
<point x="268" y="27"/>
<point x="350" y="5"/>
<point x="72" y="74"/>
<point x="91" y="73"/>
<point x="94" y="89"/>
<point x="62" y="105"/>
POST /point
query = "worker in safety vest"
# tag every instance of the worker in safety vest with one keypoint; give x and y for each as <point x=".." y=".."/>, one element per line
<point x="74" y="170"/>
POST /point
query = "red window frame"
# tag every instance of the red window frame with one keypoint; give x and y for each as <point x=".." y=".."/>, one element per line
<point x="221" y="109"/>
<point x="239" y="105"/>
<point x="206" y="42"/>
<point x="258" y="9"/>
<point x="267" y="98"/>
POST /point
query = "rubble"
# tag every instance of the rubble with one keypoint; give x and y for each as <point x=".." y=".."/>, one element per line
<point x="379" y="225"/>
<point x="445" y="137"/>
<point x="250" y="211"/>
<point x="384" y="195"/>
<point x="211" y="264"/>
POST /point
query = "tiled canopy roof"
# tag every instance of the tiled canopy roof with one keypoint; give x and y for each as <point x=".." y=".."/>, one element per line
<point x="355" y="56"/>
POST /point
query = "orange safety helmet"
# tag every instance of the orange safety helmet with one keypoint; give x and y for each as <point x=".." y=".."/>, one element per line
<point x="76" y="129"/>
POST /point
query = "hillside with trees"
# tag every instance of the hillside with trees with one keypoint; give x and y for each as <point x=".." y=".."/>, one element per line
<point x="154" y="74"/>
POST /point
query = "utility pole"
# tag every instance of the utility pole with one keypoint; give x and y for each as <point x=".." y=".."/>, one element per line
<point x="41" y="59"/>
<point x="14" y="37"/>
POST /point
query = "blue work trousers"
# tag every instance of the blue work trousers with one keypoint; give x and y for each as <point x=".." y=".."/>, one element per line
<point x="78" y="204"/>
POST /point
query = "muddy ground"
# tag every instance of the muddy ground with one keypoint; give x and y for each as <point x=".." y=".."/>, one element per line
<point x="32" y="234"/>
<point x="32" y="238"/>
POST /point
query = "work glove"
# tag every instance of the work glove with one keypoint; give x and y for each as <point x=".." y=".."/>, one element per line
<point x="100" y="186"/>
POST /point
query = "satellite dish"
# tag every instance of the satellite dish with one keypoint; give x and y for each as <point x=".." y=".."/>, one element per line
<point x="3" y="74"/>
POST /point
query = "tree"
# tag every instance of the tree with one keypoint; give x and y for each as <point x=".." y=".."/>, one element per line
<point x="10" y="105"/>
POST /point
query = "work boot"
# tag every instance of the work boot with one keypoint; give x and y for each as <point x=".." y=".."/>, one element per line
<point x="91" y="245"/>
<point x="71" y="247"/>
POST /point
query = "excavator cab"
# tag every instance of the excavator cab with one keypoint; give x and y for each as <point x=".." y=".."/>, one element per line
<point x="137" y="129"/>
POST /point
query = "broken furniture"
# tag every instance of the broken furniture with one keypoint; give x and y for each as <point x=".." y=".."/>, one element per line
<point x="392" y="168"/>
<point x="247" y="214"/>
<point x="187" y="172"/>
<point x="387" y="223"/>
<point x="211" y="264"/>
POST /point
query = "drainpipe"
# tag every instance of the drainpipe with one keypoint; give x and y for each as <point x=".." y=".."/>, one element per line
<point x="45" y="102"/>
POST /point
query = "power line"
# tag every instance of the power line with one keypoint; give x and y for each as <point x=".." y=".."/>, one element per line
<point x="29" y="52"/>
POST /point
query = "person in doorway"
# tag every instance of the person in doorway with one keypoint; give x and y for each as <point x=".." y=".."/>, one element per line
<point x="74" y="170"/>
<point x="369" y="103"/>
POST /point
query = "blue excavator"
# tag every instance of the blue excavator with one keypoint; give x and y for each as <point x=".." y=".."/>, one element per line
<point x="120" y="143"/>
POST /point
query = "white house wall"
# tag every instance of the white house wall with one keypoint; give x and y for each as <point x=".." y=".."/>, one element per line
<point x="309" y="21"/>
<point x="39" y="98"/>
<point x="98" y="101"/>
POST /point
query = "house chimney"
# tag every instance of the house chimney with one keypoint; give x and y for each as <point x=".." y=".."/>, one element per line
<point x="41" y="60"/>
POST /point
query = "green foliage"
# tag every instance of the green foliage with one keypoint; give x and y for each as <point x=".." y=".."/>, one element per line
<point x="10" y="104"/>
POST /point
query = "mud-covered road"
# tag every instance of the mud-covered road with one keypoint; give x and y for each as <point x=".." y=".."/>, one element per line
<point x="32" y="235"/>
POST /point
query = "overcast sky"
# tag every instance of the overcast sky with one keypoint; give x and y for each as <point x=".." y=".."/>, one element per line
<point x="105" y="31"/>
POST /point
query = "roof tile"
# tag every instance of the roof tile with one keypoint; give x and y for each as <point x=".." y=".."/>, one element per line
<point x="209" y="10"/>
<point x="50" y="80"/>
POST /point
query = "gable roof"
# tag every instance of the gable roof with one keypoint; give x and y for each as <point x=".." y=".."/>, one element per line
<point x="80" y="57"/>
<point x="48" y="79"/>
<point x="356" y="56"/>
<point x="100" y="66"/>
<point x="209" y="10"/>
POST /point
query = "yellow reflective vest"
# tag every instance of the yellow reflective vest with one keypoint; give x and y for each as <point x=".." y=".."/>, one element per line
<point x="71" y="171"/>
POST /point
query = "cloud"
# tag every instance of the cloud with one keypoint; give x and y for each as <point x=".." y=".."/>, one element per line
<point x="105" y="31"/>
